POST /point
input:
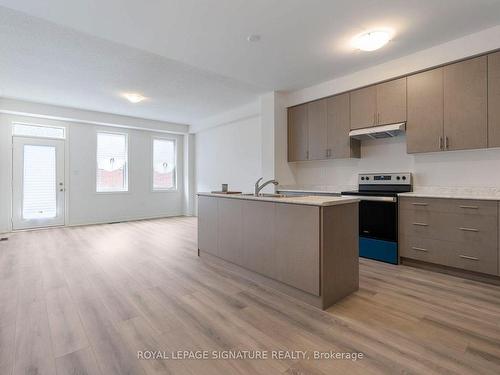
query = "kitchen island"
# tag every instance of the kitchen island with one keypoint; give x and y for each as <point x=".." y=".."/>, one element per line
<point x="306" y="247"/>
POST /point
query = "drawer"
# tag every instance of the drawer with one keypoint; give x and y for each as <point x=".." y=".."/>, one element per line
<point x="480" y="229"/>
<point x="423" y="249"/>
<point x="470" y="257"/>
<point x="475" y="258"/>
<point x="457" y="206"/>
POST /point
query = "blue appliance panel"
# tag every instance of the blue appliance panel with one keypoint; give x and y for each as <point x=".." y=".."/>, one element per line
<point x="385" y="251"/>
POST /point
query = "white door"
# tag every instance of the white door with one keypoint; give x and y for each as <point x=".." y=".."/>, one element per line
<point x="38" y="182"/>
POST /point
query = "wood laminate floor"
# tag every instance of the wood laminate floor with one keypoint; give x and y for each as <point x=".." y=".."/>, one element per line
<point x="84" y="300"/>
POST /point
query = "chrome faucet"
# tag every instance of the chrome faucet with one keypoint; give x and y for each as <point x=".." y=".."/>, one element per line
<point x="259" y="188"/>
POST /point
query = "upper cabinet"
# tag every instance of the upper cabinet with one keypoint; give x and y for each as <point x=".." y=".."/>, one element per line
<point x="465" y="104"/>
<point x="319" y="130"/>
<point x="316" y="115"/>
<point x="297" y="133"/>
<point x="424" y="128"/>
<point x="494" y="100"/>
<point x="363" y="107"/>
<point x="454" y="107"/>
<point x="447" y="108"/>
<point x="380" y="104"/>
<point x="339" y="144"/>
<point x="391" y="102"/>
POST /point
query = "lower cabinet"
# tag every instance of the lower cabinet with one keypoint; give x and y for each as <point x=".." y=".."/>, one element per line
<point x="297" y="238"/>
<point x="452" y="232"/>
<point x="208" y="226"/>
<point x="277" y="240"/>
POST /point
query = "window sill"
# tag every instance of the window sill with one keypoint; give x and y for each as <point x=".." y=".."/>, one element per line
<point x="176" y="190"/>
<point x="113" y="192"/>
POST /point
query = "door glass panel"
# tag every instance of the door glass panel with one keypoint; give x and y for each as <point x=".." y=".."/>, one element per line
<point x="39" y="187"/>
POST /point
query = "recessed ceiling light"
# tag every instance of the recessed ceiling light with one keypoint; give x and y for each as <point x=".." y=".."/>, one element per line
<point x="253" y="38"/>
<point x="372" y="40"/>
<point x="133" y="97"/>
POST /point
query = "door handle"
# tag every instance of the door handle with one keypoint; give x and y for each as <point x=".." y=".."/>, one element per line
<point x="420" y="249"/>
<point x="468" y="257"/>
<point x="421" y="224"/>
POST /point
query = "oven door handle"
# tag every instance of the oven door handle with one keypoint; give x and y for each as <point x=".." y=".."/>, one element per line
<point x="373" y="198"/>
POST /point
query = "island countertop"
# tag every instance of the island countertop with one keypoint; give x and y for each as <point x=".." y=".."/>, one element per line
<point x="308" y="200"/>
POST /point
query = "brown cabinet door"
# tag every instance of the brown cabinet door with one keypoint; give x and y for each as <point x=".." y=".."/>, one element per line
<point x="424" y="128"/>
<point x="297" y="133"/>
<point x="297" y="246"/>
<point x="208" y="230"/>
<point x="316" y="120"/>
<point x="258" y="237"/>
<point x="494" y="100"/>
<point x="391" y="102"/>
<point x="231" y="230"/>
<point x="339" y="144"/>
<point x="363" y="107"/>
<point x="465" y="104"/>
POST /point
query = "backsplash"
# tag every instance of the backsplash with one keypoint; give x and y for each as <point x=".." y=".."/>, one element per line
<point x="440" y="170"/>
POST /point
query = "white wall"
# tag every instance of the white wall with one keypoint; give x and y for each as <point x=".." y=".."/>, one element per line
<point x="84" y="205"/>
<point x="229" y="153"/>
<point x="87" y="206"/>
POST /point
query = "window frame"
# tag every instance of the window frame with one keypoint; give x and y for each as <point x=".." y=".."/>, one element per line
<point x="63" y="128"/>
<point x="163" y="190"/>
<point x="126" y="172"/>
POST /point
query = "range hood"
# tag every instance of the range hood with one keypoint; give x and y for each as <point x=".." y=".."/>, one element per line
<point x="377" y="132"/>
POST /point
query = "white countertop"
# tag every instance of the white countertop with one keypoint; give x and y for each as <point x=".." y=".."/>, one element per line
<point x="455" y="193"/>
<point x="305" y="191"/>
<point x="310" y="200"/>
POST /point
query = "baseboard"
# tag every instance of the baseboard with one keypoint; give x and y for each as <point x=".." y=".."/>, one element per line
<point x="123" y="220"/>
<point x="83" y="224"/>
<point x="471" y="275"/>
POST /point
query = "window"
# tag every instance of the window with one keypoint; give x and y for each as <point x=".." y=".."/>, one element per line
<point x="112" y="162"/>
<point x="164" y="168"/>
<point x="29" y="130"/>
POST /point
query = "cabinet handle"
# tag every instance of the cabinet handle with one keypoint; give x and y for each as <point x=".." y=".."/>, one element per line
<point x="378" y="118"/>
<point x="471" y="207"/>
<point x="421" y="224"/>
<point x="468" y="257"/>
<point x="307" y="155"/>
<point x="469" y="229"/>
<point x="446" y="143"/>
<point x="419" y="249"/>
<point x="420" y="204"/>
<point x="440" y="142"/>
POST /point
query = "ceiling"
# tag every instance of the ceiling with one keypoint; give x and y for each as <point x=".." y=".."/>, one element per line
<point x="192" y="57"/>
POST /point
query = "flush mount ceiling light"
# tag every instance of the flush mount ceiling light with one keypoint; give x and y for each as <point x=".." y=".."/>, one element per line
<point x="133" y="97"/>
<point x="372" y="40"/>
<point x="253" y="38"/>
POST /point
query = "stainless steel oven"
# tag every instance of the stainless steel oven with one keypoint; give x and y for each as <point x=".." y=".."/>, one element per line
<point x="378" y="214"/>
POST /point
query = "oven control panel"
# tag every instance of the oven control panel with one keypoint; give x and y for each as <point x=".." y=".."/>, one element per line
<point x="384" y="178"/>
